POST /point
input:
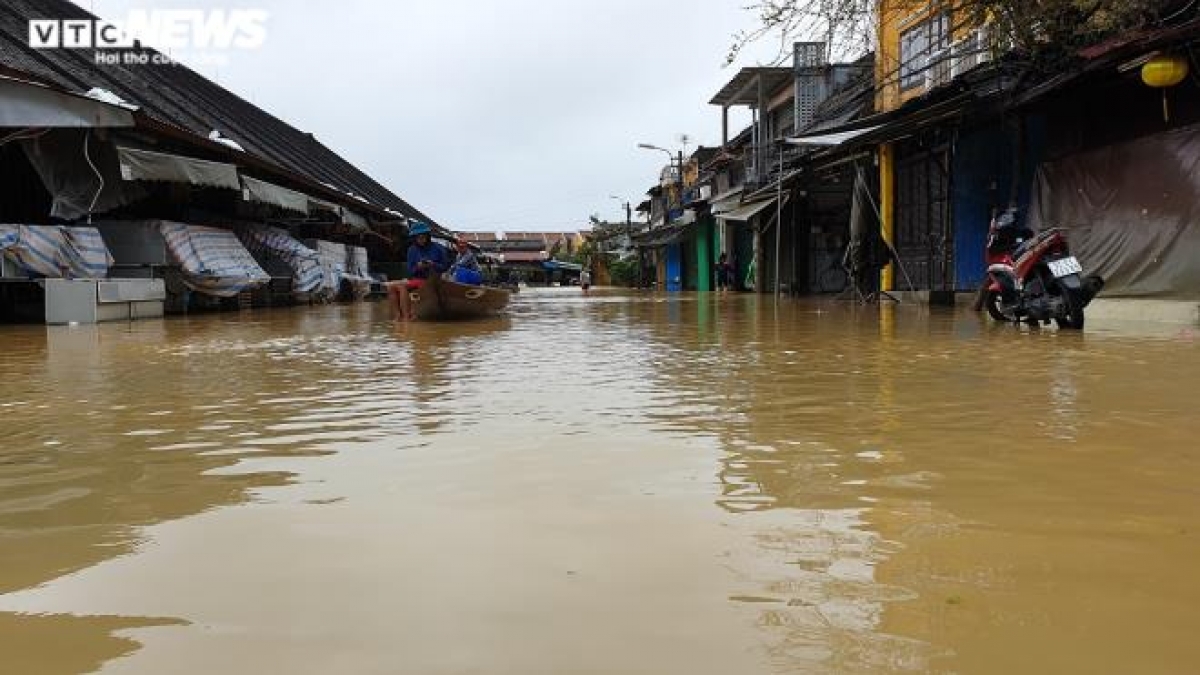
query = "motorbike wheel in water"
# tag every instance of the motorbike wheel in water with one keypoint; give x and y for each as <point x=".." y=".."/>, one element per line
<point x="992" y="302"/>
<point x="1073" y="317"/>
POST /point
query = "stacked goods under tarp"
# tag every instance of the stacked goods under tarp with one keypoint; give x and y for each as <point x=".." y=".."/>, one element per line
<point x="279" y="252"/>
<point x="358" y="271"/>
<point x="211" y="260"/>
<point x="333" y="264"/>
<point x="35" y="251"/>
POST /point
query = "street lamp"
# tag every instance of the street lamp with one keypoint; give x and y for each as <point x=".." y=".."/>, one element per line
<point x="678" y="175"/>
<point x="628" y="211"/>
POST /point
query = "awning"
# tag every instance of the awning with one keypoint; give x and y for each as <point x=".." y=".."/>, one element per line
<point x="353" y="219"/>
<point x="255" y="190"/>
<point x="523" y="256"/>
<point x="26" y="104"/>
<point x="832" y="138"/>
<point x="315" y="203"/>
<point x="728" y="194"/>
<point x="664" y="236"/>
<point x="346" y="215"/>
<point x="553" y="265"/>
<point x="747" y="211"/>
<point x="159" y="166"/>
<point x="726" y="202"/>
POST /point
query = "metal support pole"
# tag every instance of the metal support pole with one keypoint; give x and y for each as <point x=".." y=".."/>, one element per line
<point x="681" y="180"/>
<point x="760" y="153"/>
<point x="778" y="220"/>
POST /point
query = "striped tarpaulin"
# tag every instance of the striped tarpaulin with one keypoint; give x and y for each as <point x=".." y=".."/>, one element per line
<point x="333" y="264"/>
<point x="56" y="251"/>
<point x="212" y="260"/>
<point x="273" y="242"/>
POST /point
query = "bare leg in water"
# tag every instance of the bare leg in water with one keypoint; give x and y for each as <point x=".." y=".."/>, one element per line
<point x="398" y="299"/>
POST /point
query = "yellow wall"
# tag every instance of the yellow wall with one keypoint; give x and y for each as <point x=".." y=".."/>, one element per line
<point x="895" y="17"/>
<point x="691" y="173"/>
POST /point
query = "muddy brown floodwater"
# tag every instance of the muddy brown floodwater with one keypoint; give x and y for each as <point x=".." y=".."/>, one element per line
<point x="612" y="484"/>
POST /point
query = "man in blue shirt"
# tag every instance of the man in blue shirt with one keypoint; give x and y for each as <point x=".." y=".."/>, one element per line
<point x="425" y="259"/>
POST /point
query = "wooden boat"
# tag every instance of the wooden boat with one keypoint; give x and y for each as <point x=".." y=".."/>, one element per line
<point x="443" y="300"/>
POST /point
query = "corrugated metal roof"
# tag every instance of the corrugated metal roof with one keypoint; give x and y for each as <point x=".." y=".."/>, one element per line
<point x="182" y="98"/>
<point x="742" y="89"/>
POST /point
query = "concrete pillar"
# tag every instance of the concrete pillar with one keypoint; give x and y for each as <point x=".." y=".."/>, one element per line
<point x="704" y="261"/>
<point x="758" y="261"/>
<point x="887" y="208"/>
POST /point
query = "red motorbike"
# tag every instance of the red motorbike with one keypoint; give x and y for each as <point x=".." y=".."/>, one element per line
<point x="1033" y="277"/>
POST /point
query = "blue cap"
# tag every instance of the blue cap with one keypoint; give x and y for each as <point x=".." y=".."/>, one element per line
<point x="417" y="228"/>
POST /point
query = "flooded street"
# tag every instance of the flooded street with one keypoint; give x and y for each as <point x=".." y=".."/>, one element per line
<point x="611" y="484"/>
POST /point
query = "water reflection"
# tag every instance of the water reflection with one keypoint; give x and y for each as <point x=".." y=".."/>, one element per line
<point x="618" y="483"/>
<point x="899" y="441"/>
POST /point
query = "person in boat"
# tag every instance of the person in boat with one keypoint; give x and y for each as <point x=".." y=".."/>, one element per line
<point x="466" y="260"/>
<point x="466" y="268"/>
<point x="425" y="259"/>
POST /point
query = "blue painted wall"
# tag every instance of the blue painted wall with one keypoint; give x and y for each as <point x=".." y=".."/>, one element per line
<point x="674" y="267"/>
<point x="983" y="168"/>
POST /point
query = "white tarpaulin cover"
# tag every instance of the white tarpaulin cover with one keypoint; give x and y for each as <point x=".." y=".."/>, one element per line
<point x="275" y="243"/>
<point x="25" y="104"/>
<point x="748" y="211"/>
<point x="255" y="190"/>
<point x="56" y="251"/>
<point x="158" y="166"/>
<point x="831" y="138"/>
<point x="212" y="260"/>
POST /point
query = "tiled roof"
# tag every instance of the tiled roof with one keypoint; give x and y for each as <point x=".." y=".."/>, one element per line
<point x="478" y="236"/>
<point x="179" y="97"/>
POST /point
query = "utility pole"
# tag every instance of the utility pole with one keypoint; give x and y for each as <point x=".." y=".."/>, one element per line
<point x="629" y="237"/>
<point x="779" y="221"/>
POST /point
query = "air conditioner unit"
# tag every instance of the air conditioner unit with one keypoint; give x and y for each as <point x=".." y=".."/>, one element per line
<point x="983" y="45"/>
<point x="962" y="56"/>
<point x="937" y="68"/>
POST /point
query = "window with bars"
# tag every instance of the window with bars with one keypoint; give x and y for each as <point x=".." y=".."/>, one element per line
<point x="808" y="96"/>
<point x="917" y="44"/>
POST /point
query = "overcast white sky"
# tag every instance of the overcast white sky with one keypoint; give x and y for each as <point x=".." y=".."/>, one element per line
<point x="506" y="115"/>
